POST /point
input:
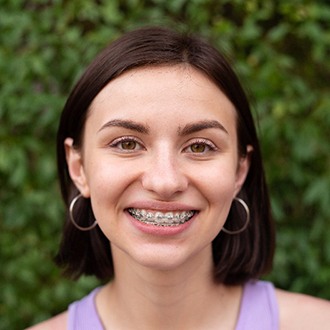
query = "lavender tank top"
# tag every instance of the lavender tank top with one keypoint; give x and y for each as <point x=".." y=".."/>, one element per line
<point x="258" y="311"/>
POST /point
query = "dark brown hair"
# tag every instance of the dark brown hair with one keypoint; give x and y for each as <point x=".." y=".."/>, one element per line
<point x="237" y="258"/>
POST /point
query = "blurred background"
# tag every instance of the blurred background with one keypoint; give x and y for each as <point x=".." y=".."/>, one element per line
<point x="280" y="49"/>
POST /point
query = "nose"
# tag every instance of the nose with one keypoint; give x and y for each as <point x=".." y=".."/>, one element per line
<point x="164" y="176"/>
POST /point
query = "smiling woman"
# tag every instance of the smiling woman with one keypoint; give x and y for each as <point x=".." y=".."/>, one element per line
<point x="161" y="171"/>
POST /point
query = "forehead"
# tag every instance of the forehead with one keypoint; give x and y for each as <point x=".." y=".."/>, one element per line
<point x="181" y="80"/>
<point x="163" y="90"/>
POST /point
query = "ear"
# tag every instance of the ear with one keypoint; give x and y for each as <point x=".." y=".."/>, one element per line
<point x="243" y="169"/>
<point x="76" y="167"/>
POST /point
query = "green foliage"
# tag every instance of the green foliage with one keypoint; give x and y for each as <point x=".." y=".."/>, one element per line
<point x="281" y="50"/>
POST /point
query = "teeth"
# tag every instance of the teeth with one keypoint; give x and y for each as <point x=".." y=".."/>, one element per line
<point x="160" y="218"/>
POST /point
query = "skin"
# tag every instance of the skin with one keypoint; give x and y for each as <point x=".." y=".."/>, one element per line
<point x="164" y="139"/>
<point x="162" y="173"/>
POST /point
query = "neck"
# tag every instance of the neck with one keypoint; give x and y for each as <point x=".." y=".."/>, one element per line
<point x="184" y="297"/>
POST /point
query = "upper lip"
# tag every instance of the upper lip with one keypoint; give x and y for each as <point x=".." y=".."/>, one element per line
<point x="161" y="206"/>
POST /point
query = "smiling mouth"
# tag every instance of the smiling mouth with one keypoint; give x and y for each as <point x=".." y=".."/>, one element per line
<point x="168" y="219"/>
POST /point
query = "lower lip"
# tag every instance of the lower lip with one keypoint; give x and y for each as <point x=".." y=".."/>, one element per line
<point x="161" y="230"/>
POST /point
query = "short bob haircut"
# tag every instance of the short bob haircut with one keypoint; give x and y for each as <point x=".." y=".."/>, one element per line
<point x="237" y="258"/>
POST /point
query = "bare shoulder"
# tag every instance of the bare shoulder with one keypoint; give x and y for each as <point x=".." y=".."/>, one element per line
<point x="299" y="311"/>
<point x="58" y="322"/>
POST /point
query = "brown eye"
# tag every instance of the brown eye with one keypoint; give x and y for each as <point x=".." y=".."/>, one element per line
<point x="128" y="145"/>
<point x="197" y="147"/>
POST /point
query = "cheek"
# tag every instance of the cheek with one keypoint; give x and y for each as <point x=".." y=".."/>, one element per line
<point x="107" y="183"/>
<point x="108" y="177"/>
<point x="110" y="183"/>
<point x="218" y="182"/>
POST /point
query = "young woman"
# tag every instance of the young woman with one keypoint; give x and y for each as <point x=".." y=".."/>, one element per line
<point x="161" y="172"/>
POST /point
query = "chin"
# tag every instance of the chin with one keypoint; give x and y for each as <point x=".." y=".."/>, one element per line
<point x="172" y="258"/>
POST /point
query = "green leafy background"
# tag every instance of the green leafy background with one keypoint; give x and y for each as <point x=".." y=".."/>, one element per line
<point x="281" y="51"/>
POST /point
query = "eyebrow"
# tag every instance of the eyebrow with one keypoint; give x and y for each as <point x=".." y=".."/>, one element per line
<point x="129" y="124"/>
<point x="186" y="130"/>
<point x="199" y="126"/>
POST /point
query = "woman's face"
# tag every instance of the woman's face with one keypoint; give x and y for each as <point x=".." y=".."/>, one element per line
<point x="160" y="163"/>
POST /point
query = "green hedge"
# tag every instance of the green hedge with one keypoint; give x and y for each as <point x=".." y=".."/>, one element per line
<point x="281" y="51"/>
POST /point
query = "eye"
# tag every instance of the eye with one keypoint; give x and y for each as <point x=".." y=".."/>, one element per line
<point x="126" y="144"/>
<point x="200" y="146"/>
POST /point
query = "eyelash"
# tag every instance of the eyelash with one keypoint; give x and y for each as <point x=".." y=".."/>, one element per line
<point x="211" y="146"/>
<point x="116" y="144"/>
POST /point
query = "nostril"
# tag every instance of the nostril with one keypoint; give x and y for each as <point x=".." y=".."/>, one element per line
<point x="164" y="179"/>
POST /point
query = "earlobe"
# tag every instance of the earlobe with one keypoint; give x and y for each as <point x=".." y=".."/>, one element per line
<point x="76" y="168"/>
<point x="243" y="169"/>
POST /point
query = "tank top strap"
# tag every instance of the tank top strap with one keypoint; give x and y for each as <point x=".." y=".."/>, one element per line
<point x="259" y="307"/>
<point x="82" y="314"/>
<point x="258" y="311"/>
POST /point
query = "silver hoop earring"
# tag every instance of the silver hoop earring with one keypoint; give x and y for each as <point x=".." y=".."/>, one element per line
<point x="72" y="204"/>
<point x="247" y="210"/>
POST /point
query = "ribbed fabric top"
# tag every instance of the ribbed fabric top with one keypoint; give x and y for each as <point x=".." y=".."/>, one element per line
<point x="259" y="308"/>
<point x="258" y="311"/>
<point x="83" y="314"/>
